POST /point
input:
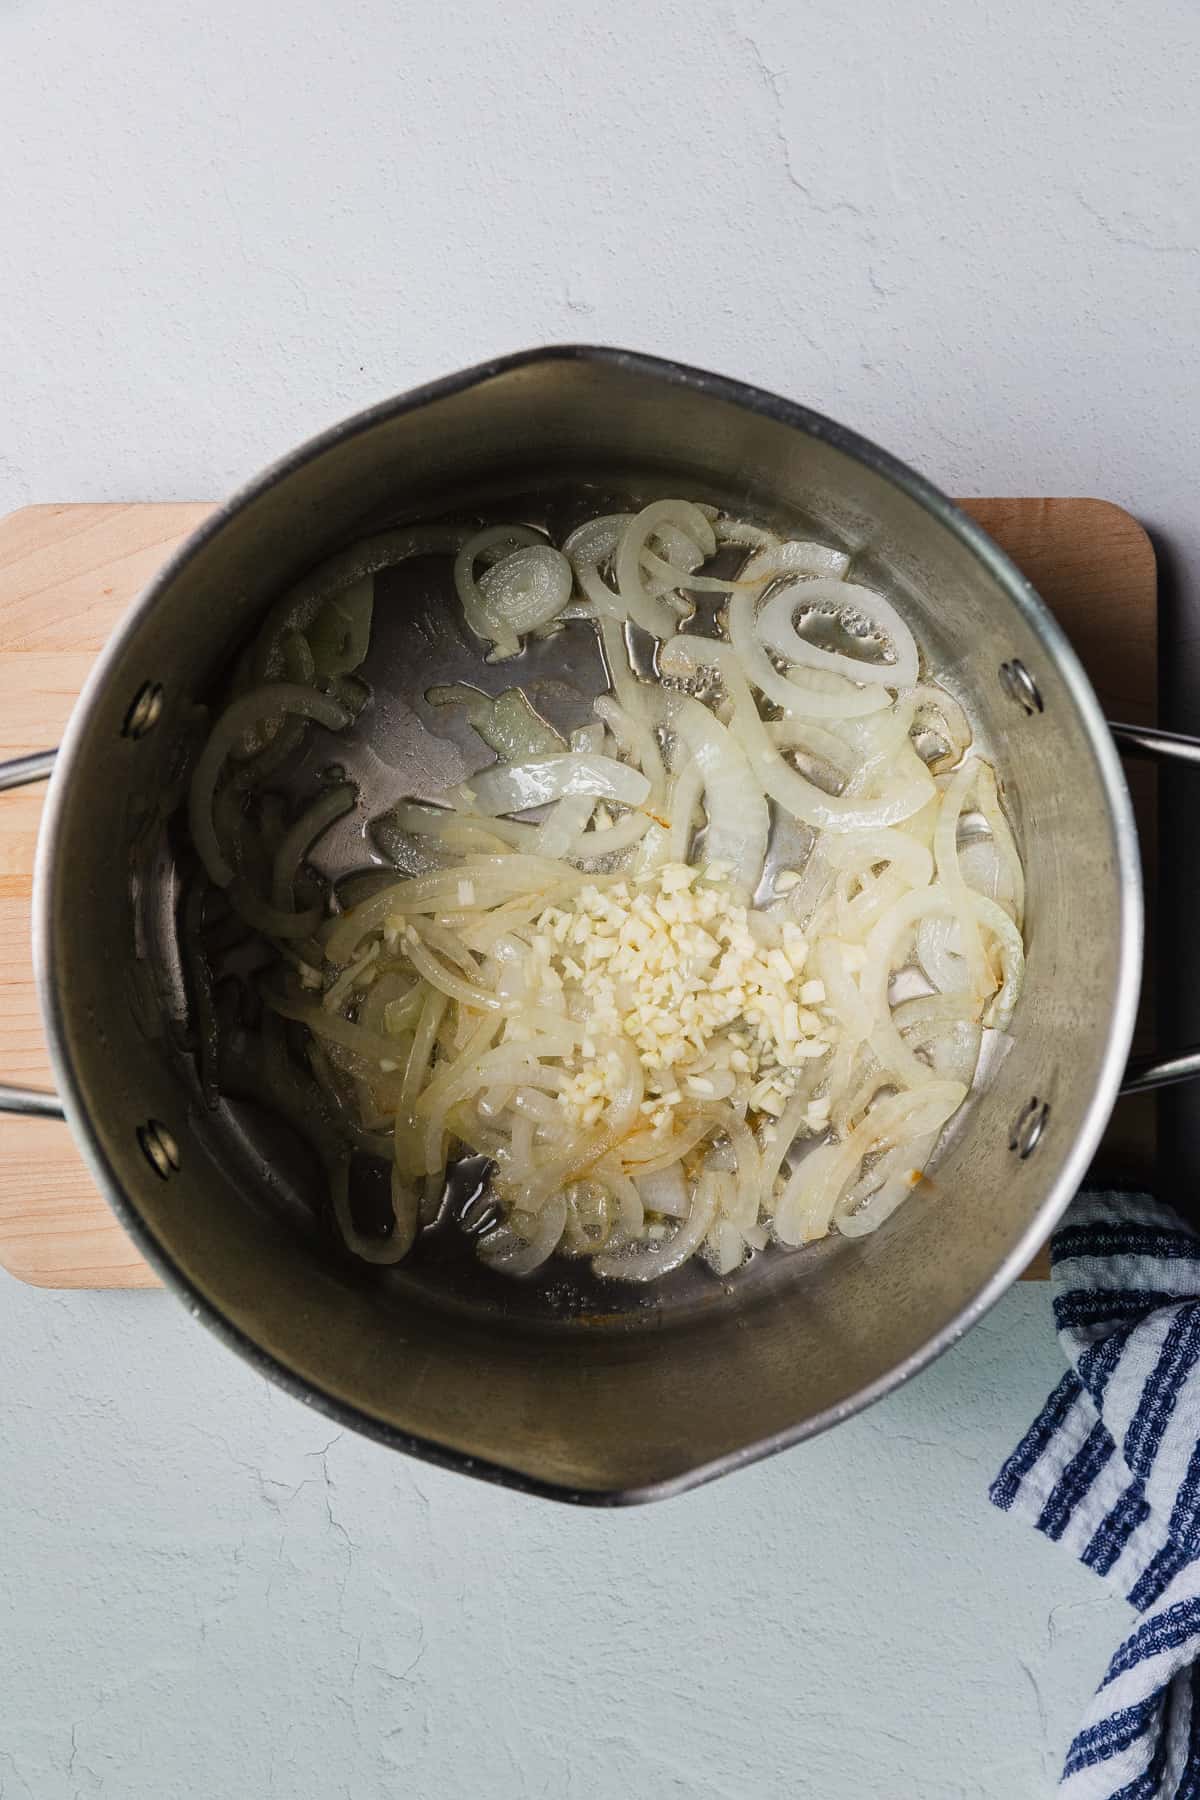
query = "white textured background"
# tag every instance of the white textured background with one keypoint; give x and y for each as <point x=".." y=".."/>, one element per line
<point x="970" y="231"/>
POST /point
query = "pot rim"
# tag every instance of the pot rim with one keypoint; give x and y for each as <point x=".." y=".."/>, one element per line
<point x="47" y="889"/>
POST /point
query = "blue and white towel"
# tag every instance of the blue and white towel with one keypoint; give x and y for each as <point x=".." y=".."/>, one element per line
<point x="1111" y="1468"/>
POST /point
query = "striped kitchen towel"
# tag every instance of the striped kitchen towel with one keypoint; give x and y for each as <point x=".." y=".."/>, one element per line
<point x="1111" y="1468"/>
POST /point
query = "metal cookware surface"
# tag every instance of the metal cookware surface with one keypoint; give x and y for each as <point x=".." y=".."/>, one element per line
<point x="587" y="1393"/>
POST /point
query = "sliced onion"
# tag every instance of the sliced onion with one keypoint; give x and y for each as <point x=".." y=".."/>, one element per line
<point x="439" y="892"/>
<point x="523" y="592"/>
<point x="447" y="981"/>
<point x="724" y="1249"/>
<point x="565" y="825"/>
<point x="939" y="952"/>
<point x="399" y="1241"/>
<point x="514" y="787"/>
<point x="591" y="1218"/>
<point x="264" y="703"/>
<point x="954" y="1050"/>
<point x="493" y="540"/>
<point x="636" y="738"/>
<point x="370" y="1047"/>
<point x="513" y="1065"/>
<point x="931" y="1012"/>
<point x="596" y="540"/>
<point x="742" y="1203"/>
<point x="663" y="577"/>
<point x="816" y="742"/>
<point x="805" y="801"/>
<point x="738" y="821"/>
<point x="589" y="846"/>
<point x="537" y="1106"/>
<point x="333" y="804"/>
<point x="1013" y="873"/>
<point x="812" y="693"/>
<point x="739" y="531"/>
<point x="455" y="832"/>
<point x="582" y="1154"/>
<point x="983" y="871"/>
<point x="843" y="997"/>
<point x="859" y="912"/>
<point x="814" y="887"/>
<point x="648" y="610"/>
<point x="650" y="1262"/>
<point x="876" y="1197"/>
<point x="687" y="785"/>
<point x="339" y="636"/>
<point x="955" y="728"/>
<point x="883" y="947"/>
<point x="568" y="818"/>
<point x="362" y="969"/>
<point x="884" y="744"/>
<point x="271" y="921"/>
<point x="1011" y="948"/>
<point x="402" y="1015"/>
<point x="791" y="1123"/>
<point x="298" y="608"/>
<point x="807" y="1204"/>
<point x="631" y="693"/>
<point x="632" y="1213"/>
<point x="508" y="725"/>
<point x="591" y="545"/>
<point x="664" y="1191"/>
<point x="795" y="556"/>
<point x="868" y="849"/>
<point x="681" y="557"/>
<point x="945" y="850"/>
<point x="507" y="1249"/>
<point x="777" y="631"/>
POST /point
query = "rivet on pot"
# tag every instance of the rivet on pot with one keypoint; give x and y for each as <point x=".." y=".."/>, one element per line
<point x="145" y="710"/>
<point x="1028" y="1128"/>
<point x="159" y="1148"/>
<point x="1020" y="686"/>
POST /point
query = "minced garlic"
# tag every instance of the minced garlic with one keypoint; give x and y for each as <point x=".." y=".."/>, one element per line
<point x="712" y="994"/>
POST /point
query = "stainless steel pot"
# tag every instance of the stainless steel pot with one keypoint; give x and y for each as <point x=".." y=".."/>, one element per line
<point x="646" y="1399"/>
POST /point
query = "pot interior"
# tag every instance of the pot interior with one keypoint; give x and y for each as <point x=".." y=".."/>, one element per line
<point x="589" y="1389"/>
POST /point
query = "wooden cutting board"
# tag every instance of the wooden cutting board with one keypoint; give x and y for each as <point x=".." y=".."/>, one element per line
<point x="68" y="573"/>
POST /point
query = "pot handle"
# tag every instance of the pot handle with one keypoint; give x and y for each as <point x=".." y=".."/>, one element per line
<point x="1154" y="1071"/>
<point x="33" y="1102"/>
